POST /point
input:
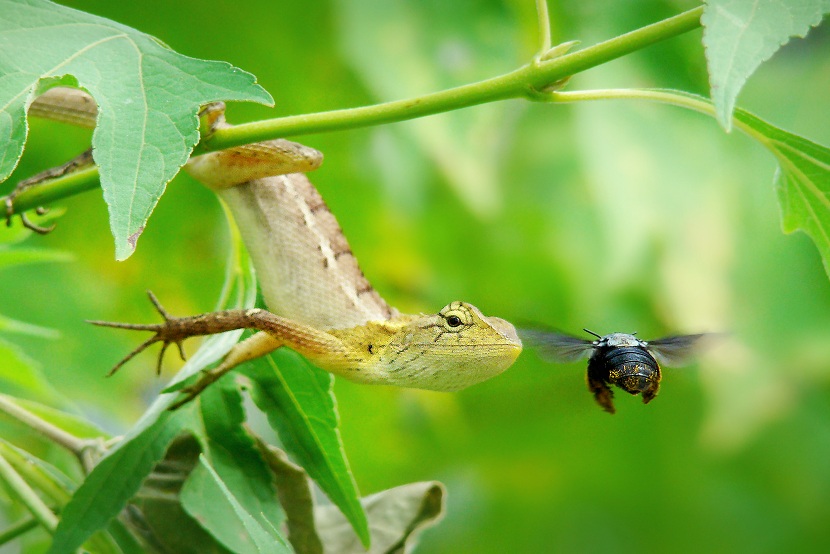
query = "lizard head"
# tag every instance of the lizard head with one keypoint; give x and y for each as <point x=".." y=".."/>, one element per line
<point x="450" y="350"/>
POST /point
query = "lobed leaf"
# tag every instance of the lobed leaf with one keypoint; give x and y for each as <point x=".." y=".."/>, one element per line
<point x="741" y="34"/>
<point x="147" y="95"/>
<point x="298" y="400"/>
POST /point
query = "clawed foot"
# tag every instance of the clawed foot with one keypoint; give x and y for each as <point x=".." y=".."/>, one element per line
<point x="27" y="223"/>
<point x="166" y="333"/>
<point x="191" y="392"/>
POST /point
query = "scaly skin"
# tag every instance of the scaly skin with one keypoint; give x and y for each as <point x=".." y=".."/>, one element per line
<point x="321" y="304"/>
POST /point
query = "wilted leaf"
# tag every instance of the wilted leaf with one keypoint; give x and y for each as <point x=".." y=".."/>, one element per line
<point x="741" y="34"/>
<point x="147" y="96"/>
<point x="300" y="406"/>
<point x="294" y="489"/>
<point x="396" y="517"/>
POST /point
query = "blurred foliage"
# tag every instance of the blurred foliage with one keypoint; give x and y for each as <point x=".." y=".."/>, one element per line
<point x="612" y="216"/>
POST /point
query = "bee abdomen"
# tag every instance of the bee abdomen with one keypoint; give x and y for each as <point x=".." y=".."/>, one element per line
<point x="631" y="368"/>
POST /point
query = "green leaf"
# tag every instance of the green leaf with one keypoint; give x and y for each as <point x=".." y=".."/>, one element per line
<point x="298" y="400"/>
<point x="222" y="512"/>
<point x="162" y="521"/>
<point x="21" y="376"/>
<point x="11" y="257"/>
<point x="147" y="95"/>
<point x="741" y="34"/>
<point x="114" y="481"/>
<point x="236" y="459"/>
<point x="802" y="180"/>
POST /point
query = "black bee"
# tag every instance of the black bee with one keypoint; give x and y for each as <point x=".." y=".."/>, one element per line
<point x="617" y="359"/>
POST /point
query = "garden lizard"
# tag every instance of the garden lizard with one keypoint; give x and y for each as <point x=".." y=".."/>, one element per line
<point x="320" y="303"/>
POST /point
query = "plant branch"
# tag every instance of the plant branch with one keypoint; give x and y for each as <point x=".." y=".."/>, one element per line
<point x="23" y="493"/>
<point x="55" y="434"/>
<point x="34" y="474"/>
<point x="529" y="81"/>
<point x="517" y="84"/>
<point x="662" y="96"/>
<point x="17" y="529"/>
<point x="543" y="19"/>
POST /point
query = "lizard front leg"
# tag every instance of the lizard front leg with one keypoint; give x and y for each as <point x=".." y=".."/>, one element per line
<point x="323" y="349"/>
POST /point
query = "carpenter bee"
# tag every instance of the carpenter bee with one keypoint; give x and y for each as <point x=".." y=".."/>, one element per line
<point x="619" y="359"/>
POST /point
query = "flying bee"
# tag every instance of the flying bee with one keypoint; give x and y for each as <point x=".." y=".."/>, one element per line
<point x="619" y="359"/>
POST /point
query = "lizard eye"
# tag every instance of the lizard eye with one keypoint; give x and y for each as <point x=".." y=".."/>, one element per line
<point x="454" y="321"/>
<point x="456" y="317"/>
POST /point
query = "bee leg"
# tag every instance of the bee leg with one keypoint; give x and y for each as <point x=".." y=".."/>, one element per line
<point x="602" y="393"/>
<point x="651" y="391"/>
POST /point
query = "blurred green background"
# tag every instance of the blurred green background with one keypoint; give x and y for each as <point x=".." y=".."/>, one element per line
<point x="616" y="216"/>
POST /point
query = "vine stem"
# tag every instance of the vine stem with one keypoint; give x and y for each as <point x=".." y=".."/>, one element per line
<point x="529" y="82"/>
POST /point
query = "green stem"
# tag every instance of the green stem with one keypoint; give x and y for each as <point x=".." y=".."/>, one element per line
<point x="543" y="19"/>
<point x="34" y="474"/>
<point x="674" y="98"/>
<point x="17" y="529"/>
<point x="526" y="82"/>
<point x="55" y="434"/>
<point x="22" y="492"/>
<point x="519" y="83"/>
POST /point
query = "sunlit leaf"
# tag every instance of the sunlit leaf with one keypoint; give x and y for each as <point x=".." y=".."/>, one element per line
<point x="222" y="512"/>
<point x="300" y="406"/>
<point x="147" y="96"/>
<point x="741" y="34"/>
<point x="113" y="482"/>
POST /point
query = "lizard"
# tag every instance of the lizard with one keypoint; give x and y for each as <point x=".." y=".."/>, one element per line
<point x="320" y="304"/>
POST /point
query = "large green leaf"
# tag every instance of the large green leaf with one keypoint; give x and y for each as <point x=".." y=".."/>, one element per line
<point x="238" y="462"/>
<point x="802" y="180"/>
<point x="147" y="96"/>
<point x="113" y="482"/>
<point x="223" y="512"/>
<point x="741" y="34"/>
<point x="299" y="403"/>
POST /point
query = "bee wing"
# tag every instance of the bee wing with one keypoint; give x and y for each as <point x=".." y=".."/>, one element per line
<point x="556" y="347"/>
<point x="676" y="350"/>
